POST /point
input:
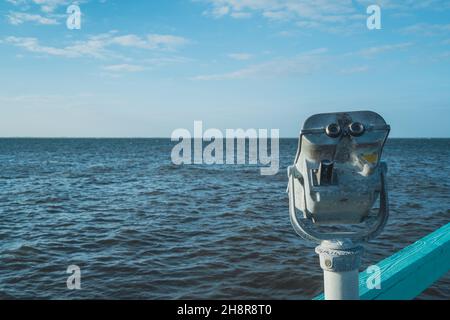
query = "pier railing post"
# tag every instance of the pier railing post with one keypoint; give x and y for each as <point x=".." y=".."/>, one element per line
<point x="340" y="261"/>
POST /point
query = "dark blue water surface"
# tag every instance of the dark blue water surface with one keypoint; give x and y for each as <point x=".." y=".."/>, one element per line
<point x="141" y="227"/>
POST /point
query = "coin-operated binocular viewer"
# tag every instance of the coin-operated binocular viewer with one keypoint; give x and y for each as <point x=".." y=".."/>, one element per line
<point x="336" y="180"/>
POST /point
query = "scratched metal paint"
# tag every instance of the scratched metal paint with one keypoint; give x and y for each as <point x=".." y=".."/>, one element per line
<point x="356" y="179"/>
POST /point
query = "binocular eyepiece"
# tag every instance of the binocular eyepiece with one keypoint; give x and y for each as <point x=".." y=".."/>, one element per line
<point x="337" y="175"/>
<point x="355" y="129"/>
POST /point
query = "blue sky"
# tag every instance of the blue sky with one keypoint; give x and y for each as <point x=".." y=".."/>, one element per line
<point x="146" y="68"/>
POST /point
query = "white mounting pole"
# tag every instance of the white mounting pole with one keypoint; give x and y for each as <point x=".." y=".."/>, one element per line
<point x="340" y="261"/>
<point x="341" y="285"/>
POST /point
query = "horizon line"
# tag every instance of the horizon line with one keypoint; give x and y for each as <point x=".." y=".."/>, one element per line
<point x="169" y="138"/>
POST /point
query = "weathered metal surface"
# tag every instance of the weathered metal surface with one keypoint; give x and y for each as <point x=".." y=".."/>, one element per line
<point x="340" y="261"/>
<point x="337" y="175"/>
<point x="339" y="256"/>
<point x="354" y="183"/>
<point x="335" y="180"/>
<point x="341" y="285"/>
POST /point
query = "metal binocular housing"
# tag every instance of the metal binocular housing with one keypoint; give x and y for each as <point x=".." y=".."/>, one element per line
<point x="337" y="175"/>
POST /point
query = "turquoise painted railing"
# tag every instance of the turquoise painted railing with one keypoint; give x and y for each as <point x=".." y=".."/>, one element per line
<point x="406" y="274"/>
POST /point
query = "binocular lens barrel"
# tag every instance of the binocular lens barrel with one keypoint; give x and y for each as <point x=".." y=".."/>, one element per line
<point x="333" y="130"/>
<point x="356" y="129"/>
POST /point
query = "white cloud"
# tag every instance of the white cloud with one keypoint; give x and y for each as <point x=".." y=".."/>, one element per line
<point x="17" y="18"/>
<point x="353" y="70"/>
<point x="152" y="41"/>
<point x="314" y="13"/>
<point x="130" y="40"/>
<point x="241" y="15"/>
<point x="240" y="56"/>
<point x="99" y="46"/>
<point x="124" y="68"/>
<point x="219" y="11"/>
<point x="407" y="5"/>
<point x="32" y="45"/>
<point x="17" y="2"/>
<point x="277" y="15"/>
<point x="283" y="9"/>
<point x="302" y="64"/>
<point x="164" y="41"/>
<point x="427" y="29"/>
<point x="166" y="60"/>
<point x="372" y="51"/>
<point x="47" y="6"/>
<point x="51" y="5"/>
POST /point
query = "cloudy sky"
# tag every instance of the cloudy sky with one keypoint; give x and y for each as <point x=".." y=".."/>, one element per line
<point x="146" y="68"/>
